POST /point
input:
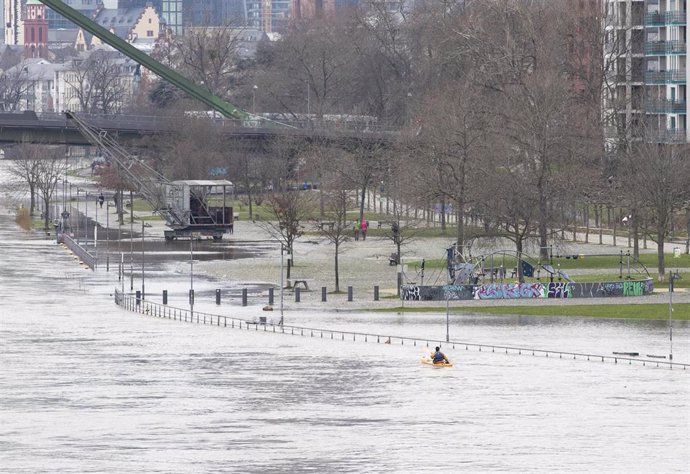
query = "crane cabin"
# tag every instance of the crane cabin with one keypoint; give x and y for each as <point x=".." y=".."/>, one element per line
<point x="199" y="208"/>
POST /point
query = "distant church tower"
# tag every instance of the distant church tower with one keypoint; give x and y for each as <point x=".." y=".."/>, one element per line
<point x="35" y="30"/>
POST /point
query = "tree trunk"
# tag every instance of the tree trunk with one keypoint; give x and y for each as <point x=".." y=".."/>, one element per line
<point x="636" y="234"/>
<point x="443" y="215"/>
<point x="660" y="255"/>
<point x="615" y="220"/>
<point x="362" y="195"/>
<point x="337" y="277"/>
<point x="32" y="203"/>
<point x="46" y="213"/>
<point x="460" y="226"/>
<point x="518" y="248"/>
<point x="687" y="240"/>
<point x="249" y="200"/>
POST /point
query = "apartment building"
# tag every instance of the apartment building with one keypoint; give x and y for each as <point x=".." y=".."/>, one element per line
<point x="645" y="53"/>
<point x="667" y="73"/>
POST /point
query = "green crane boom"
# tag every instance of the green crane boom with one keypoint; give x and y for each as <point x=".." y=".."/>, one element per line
<point x="199" y="93"/>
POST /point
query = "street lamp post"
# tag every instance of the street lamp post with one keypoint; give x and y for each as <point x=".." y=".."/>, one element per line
<point x="86" y="218"/>
<point x="191" y="275"/>
<point x="282" y="285"/>
<point x="76" y="233"/>
<point x="95" y="234"/>
<point x="107" y="236"/>
<point x="447" y="317"/>
<point x="142" y="260"/>
<point x="131" y="242"/>
<point x="673" y="276"/>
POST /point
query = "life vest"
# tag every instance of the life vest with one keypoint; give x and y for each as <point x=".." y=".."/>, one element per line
<point x="439" y="357"/>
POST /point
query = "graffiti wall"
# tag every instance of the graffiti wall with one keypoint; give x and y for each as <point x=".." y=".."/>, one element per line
<point x="492" y="291"/>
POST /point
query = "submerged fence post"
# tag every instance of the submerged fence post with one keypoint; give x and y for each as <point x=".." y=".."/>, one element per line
<point x="376" y="293"/>
<point x="165" y="296"/>
<point x="244" y="297"/>
<point x="297" y="295"/>
<point x="323" y="294"/>
<point x="349" y="293"/>
<point x="270" y="296"/>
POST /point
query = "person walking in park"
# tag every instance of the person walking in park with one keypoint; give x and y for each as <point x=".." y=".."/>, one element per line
<point x="355" y="229"/>
<point x="364" y="226"/>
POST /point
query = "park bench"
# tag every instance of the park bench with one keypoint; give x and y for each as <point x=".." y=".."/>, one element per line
<point x="323" y="224"/>
<point x="297" y="282"/>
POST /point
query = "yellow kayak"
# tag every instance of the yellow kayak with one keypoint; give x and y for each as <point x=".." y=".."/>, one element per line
<point x="429" y="361"/>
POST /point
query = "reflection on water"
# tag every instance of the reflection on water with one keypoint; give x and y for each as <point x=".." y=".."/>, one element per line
<point x="87" y="387"/>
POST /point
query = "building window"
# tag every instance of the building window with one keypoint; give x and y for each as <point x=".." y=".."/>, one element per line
<point x="149" y="33"/>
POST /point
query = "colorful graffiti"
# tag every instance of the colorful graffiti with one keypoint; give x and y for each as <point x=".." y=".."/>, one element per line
<point x="494" y="291"/>
<point x="526" y="290"/>
<point x="559" y="290"/>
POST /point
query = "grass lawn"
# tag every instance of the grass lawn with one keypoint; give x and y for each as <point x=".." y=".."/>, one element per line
<point x="648" y="259"/>
<point x="681" y="312"/>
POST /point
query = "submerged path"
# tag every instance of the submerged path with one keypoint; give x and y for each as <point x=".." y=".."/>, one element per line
<point x="131" y="303"/>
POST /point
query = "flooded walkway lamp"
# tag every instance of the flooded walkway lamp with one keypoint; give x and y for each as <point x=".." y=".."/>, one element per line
<point x="672" y="277"/>
<point x="191" y="274"/>
<point x="283" y="250"/>
<point x="447" y="316"/>
<point x="143" y="292"/>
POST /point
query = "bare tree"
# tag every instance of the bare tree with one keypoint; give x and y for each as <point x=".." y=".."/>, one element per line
<point x="51" y="168"/>
<point x="290" y="210"/>
<point x="335" y="225"/>
<point x="209" y="56"/>
<point x="14" y="84"/>
<point x="26" y="168"/>
<point x="309" y="71"/>
<point x="660" y="174"/>
<point x="449" y="146"/>
<point x="101" y="82"/>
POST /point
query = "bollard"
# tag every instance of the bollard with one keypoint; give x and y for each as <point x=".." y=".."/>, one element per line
<point x="376" y="293"/>
<point x="244" y="297"/>
<point x="270" y="296"/>
<point x="323" y="294"/>
<point x="217" y="296"/>
<point x="349" y="293"/>
<point x="191" y="297"/>
<point x="165" y="296"/>
<point x="297" y="293"/>
<point x="138" y="297"/>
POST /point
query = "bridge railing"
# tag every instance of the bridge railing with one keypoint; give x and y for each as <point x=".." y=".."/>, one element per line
<point x="156" y="122"/>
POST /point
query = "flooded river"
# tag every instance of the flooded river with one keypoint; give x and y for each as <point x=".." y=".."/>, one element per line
<point x="88" y="387"/>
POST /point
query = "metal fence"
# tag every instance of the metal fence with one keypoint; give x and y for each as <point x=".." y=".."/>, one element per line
<point x="131" y="303"/>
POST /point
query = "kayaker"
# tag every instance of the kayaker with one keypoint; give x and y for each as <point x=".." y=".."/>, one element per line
<point x="439" y="357"/>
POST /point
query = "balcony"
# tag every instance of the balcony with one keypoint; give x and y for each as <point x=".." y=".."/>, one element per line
<point x="674" y="76"/>
<point x="666" y="106"/>
<point x="661" y="48"/>
<point x="665" y="18"/>
<point x="667" y="136"/>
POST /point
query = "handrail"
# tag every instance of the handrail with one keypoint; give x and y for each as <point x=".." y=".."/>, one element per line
<point x="88" y="259"/>
<point x="131" y="303"/>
